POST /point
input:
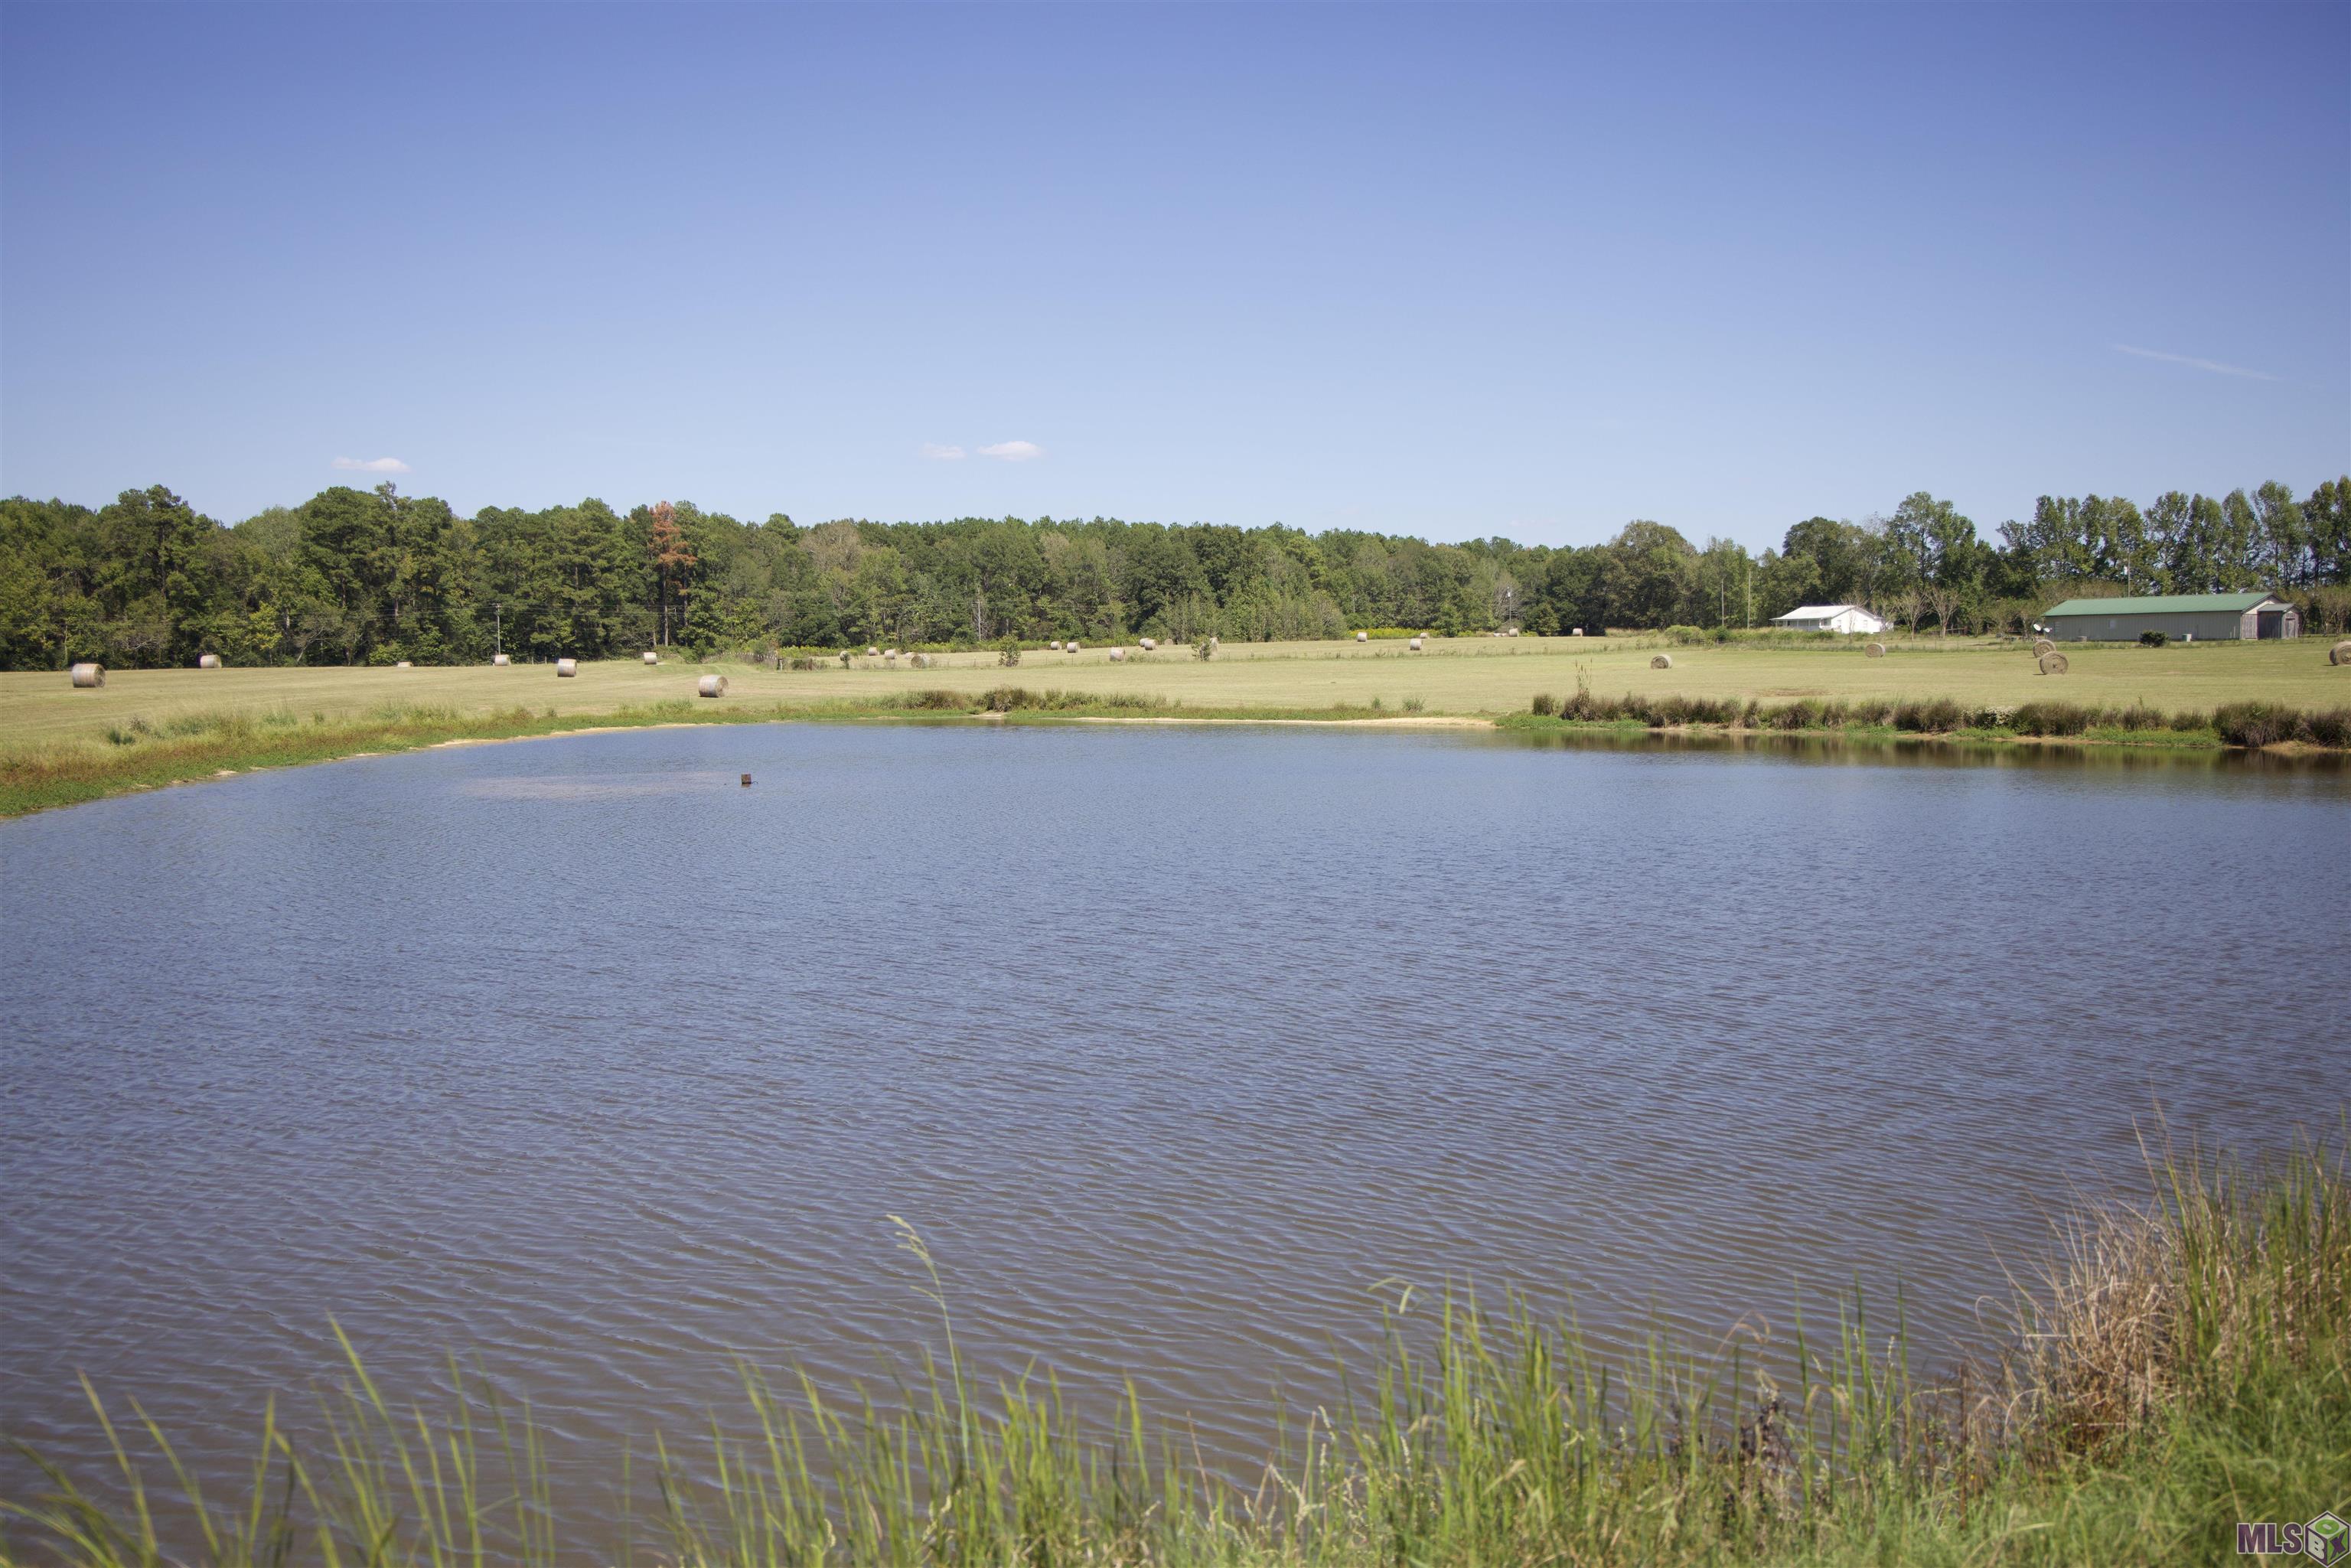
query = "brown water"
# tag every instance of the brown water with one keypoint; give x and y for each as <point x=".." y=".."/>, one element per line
<point x="1175" y="1044"/>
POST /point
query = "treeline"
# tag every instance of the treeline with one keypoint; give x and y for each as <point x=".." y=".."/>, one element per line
<point x="361" y="577"/>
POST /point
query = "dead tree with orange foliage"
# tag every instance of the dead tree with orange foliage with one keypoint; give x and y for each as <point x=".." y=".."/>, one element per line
<point x="672" y="561"/>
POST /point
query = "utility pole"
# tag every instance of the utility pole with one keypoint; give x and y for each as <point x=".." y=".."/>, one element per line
<point x="497" y="625"/>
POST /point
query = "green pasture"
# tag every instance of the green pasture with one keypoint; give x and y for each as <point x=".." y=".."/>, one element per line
<point x="1481" y="675"/>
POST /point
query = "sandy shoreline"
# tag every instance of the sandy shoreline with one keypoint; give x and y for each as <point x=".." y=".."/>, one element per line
<point x="564" y="734"/>
<point x="1401" y="721"/>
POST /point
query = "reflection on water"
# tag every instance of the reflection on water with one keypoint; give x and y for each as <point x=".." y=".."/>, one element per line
<point x="1173" y="1041"/>
<point x="590" y="786"/>
<point x="1921" y="751"/>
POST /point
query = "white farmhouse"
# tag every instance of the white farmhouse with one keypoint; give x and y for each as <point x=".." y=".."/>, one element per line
<point x="1843" y="619"/>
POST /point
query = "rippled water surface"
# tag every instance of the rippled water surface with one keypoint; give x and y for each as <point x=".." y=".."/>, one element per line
<point x="1172" y="1043"/>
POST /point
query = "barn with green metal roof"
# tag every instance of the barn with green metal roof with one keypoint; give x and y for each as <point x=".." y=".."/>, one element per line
<point x="2189" y="617"/>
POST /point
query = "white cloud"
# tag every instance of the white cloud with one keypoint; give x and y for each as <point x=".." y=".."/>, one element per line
<point x="1013" y="451"/>
<point x="937" y="453"/>
<point x="371" y="465"/>
<point x="2213" y="365"/>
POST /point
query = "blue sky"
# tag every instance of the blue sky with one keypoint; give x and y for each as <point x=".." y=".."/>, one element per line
<point x="1454" y="271"/>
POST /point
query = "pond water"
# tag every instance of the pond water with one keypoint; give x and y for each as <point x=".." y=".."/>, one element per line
<point x="1174" y="1043"/>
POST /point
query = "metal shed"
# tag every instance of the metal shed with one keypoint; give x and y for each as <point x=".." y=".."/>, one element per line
<point x="2205" y="617"/>
<point x="1843" y="619"/>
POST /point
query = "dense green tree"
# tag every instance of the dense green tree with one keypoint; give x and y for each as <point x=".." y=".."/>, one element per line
<point x="1934" y="551"/>
<point x="2115" y="542"/>
<point x="1647" y="575"/>
<point x="356" y="575"/>
<point x="46" y="582"/>
<point x="2282" y="538"/>
<point x="2326" y="517"/>
<point x="2054" y="546"/>
<point x="1821" y="561"/>
<point x="161" y="543"/>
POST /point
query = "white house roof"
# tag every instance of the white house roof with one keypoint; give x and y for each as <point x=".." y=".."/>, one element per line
<point x="1817" y="612"/>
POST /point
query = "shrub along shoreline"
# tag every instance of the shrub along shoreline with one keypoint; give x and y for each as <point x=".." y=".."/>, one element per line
<point x="139" y="756"/>
<point x="2183" y="1367"/>
<point x="2243" y="723"/>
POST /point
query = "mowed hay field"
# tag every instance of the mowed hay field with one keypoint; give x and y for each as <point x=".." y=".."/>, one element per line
<point x="1473" y="675"/>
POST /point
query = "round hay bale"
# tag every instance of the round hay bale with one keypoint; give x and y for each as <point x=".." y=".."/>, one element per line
<point x="2340" y="654"/>
<point x="500" y="661"/>
<point x="872" y="652"/>
<point x="2053" y="663"/>
<point x="711" y="686"/>
<point x="1362" y="636"/>
<point x="1073" y="645"/>
<point x="566" y="667"/>
<point x="651" y="657"/>
<point x="2042" y="645"/>
<point x="1875" y="651"/>
<point x="404" y="664"/>
<point x="1577" y="632"/>
<point x="1116" y="655"/>
<point x="1146" y="644"/>
<point x="1414" y="644"/>
<point x="87" y="675"/>
<point x="1662" y="662"/>
<point x="1514" y="632"/>
<point x="889" y="653"/>
<point x="208" y="661"/>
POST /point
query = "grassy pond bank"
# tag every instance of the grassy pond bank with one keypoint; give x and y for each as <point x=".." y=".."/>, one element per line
<point x="141" y="754"/>
<point x="151" y="728"/>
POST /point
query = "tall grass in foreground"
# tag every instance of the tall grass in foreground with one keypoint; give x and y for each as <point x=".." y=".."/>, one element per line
<point x="2184" y="1365"/>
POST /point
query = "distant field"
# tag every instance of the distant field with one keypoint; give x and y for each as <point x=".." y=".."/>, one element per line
<point x="1464" y="675"/>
